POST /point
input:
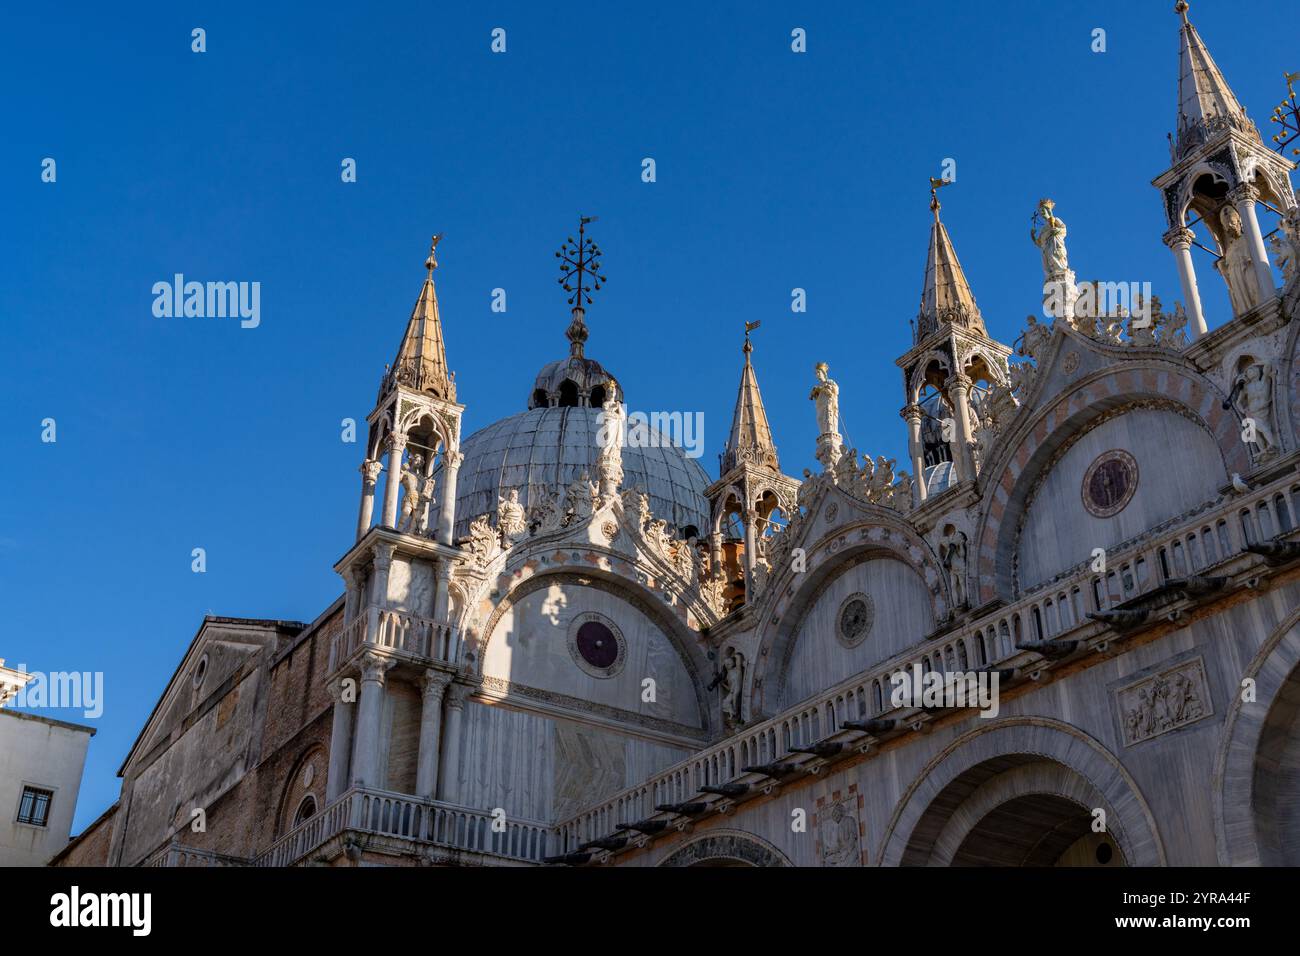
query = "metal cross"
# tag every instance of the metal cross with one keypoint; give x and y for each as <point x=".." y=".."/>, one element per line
<point x="580" y="266"/>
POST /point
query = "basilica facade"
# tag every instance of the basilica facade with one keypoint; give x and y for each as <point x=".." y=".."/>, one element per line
<point x="1065" y="632"/>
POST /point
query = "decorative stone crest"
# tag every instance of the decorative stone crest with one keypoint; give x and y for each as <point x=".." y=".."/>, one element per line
<point x="1109" y="483"/>
<point x="839" y="831"/>
<point x="596" y="645"/>
<point x="854" y="618"/>
<point x="1166" y="701"/>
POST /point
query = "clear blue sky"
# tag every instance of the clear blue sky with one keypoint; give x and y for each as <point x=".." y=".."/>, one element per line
<point x="775" y="170"/>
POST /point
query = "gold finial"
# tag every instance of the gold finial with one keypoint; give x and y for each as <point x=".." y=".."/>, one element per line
<point x="935" y="186"/>
<point x="1180" y="8"/>
<point x="750" y="327"/>
<point x="431" y="263"/>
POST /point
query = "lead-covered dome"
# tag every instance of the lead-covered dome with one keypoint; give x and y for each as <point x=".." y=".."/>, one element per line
<point x="551" y="447"/>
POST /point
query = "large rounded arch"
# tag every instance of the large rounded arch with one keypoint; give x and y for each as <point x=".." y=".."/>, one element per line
<point x="684" y="642"/>
<point x="1025" y="457"/>
<point x="1257" y="779"/>
<point x="792" y="594"/>
<point x="1053" y="774"/>
<point x="726" y="847"/>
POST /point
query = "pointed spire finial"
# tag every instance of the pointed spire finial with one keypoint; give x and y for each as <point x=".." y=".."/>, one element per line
<point x="1180" y="8"/>
<point x="431" y="263"/>
<point x="750" y="439"/>
<point x="421" y="361"/>
<point x="935" y="186"/>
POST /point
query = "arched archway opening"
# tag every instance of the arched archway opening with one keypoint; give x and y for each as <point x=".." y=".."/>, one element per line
<point x="1040" y="829"/>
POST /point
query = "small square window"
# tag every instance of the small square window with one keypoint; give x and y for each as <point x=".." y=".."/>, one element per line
<point x="35" y="806"/>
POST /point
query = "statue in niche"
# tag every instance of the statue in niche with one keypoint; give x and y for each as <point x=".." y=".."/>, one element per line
<point x="1286" y="247"/>
<point x="511" y="520"/>
<point x="581" y="499"/>
<point x="546" y="514"/>
<point x="636" y="505"/>
<point x="952" y="554"/>
<point x="732" y="682"/>
<point x="418" y="495"/>
<point x="1033" y="344"/>
<point x="1236" y="265"/>
<point x="827" y="396"/>
<point x="1050" y="240"/>
<point x="609" y="464"/>
<point x="1255" y="388"/>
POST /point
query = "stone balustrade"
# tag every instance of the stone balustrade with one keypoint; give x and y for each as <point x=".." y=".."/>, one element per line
<point x="1195" y="545"/>
<point x="422" y="821"/>
<point x="396" y="631"/>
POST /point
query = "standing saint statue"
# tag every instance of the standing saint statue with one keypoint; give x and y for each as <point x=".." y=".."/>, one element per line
<point x="413" y="501"/>
<point x="1050" y="240"/>
<point x="511" y="520"/>
<point x="827" y="396"/>
<point x="610" y="437"/>
<point x="1236" y="265"/>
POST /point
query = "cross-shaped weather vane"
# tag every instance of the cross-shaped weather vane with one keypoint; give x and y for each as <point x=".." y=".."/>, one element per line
<point x="580" y="273"/>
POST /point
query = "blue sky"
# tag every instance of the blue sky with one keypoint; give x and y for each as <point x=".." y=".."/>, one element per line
<point x="774" y="171"/>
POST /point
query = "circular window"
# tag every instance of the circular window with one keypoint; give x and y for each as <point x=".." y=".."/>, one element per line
<point x="1109" y="483"/>
<point x="596" y="645"/>
<point x="853" y="623"/>
<point x="200" y="671"/>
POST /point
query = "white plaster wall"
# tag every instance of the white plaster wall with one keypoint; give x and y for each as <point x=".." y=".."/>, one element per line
<point x="38" y="753"/>
<point x="529" y="646"/>
<point x="1179" y="466"/>
<point x="903" y="616"/>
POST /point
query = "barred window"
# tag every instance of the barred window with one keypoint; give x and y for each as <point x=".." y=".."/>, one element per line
<point x="34" y="807"/>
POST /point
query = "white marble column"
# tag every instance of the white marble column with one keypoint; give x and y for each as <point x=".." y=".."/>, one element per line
<point x="1243" y="198"/>
<point x="1179" y="240"/>
<point x="352" y="597"/>
<point x="751" y="549"/>
<point x="959" y="392"/>
<point x="370" y="469"/>
<point x="449" y="771"/>
<point x="370" y="714"/>
<point x="340" y="739"/>
<point x="393" y="480"/>
<point x="447" y="501"/>
<point x="433" y="686"/>
<point x="442" y="591"/>
<point x="916" y="448"/>
<point x="383" y="561"/>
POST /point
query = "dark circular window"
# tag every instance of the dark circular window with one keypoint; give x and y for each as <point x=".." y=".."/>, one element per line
<point x="1104" y="853"/>
<point x="596" y="644"/>
<point x="1109" y="483"/>
<point x="855" y="618"/>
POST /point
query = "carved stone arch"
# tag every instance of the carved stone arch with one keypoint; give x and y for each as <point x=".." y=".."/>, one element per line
<point x="685" y="642"/>
<point x="293" y="790"/>
<point x="791" y="594"/>
<point x="1188" y="184"/>
<point x="945" y="799"/>
<point x="720" y="510"/>
<point x="916" y="381"/>
<point x="726" y="847"/>
<point x="1237" y="806"/>
<point x="993" y="362"/>
<point x="1026" y="455"/>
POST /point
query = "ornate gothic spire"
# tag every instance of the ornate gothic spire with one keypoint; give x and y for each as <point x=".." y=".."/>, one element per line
<point x="945" y="294"/>
<point x="751" y="438"/>
<point x="1206" y="104"/>
<point x="421" y="361"/>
